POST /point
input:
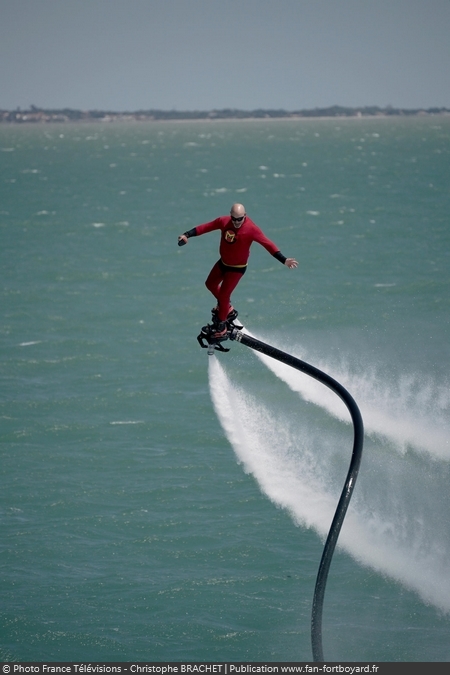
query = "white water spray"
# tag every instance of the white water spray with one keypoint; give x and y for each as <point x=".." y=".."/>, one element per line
<point x="396" y="524"/>
<point x="412" y="412"/>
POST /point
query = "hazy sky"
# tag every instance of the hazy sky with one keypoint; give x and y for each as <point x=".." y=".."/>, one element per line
<point x="205" y="54"/>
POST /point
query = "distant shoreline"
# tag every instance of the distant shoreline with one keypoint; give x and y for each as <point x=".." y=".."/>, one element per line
<point x="48" y="116"/>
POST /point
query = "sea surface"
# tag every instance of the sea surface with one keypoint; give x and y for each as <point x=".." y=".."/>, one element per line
<point x="159" y="504"/>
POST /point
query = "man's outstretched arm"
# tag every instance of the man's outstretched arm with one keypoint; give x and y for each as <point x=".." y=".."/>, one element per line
<point x="200" y="229"/>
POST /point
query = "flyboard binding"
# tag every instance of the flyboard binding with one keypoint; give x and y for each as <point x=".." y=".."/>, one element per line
<point x="207" y="339"/>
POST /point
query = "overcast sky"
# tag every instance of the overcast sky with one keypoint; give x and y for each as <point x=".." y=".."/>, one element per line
<point x="205" y="54"/>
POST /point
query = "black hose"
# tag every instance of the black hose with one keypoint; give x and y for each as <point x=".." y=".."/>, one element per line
<point x="330" y="544"/>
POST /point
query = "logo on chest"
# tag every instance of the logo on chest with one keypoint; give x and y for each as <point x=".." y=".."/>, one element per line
<point x="230" y="236"/>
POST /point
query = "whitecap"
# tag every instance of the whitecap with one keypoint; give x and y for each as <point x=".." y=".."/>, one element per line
<point x="121" y="422"/>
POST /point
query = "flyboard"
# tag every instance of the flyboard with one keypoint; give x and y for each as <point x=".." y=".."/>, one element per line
<point x="208" y="340"/>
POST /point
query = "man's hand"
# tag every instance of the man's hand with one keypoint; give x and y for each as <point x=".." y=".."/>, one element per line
<point x="291" y="263"/>
<point x="182" y="240"/>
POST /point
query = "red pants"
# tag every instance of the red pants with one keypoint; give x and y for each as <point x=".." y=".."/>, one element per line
<point x="221" y="282"/>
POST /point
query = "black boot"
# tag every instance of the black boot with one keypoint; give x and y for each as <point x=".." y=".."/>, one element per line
<point x="232" y="314"/>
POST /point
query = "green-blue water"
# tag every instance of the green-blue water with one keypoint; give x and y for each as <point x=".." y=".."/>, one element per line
<point x="160" y="505"/>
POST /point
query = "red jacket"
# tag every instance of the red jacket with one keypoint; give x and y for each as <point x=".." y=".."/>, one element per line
<point x="235" y="242"/>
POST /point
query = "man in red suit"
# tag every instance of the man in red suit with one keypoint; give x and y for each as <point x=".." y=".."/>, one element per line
<point x="238" y="233"/>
